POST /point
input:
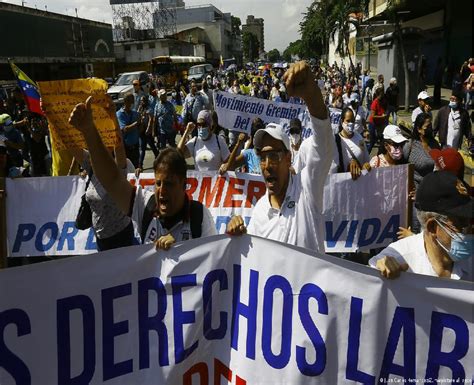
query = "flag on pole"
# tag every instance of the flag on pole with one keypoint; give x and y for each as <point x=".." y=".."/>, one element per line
<point x="29" y="89"/>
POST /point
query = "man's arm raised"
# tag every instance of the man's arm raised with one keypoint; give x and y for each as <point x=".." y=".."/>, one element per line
<point x="105" y="168"/>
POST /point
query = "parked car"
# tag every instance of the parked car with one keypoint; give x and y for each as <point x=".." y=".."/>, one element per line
<point x="124" y="85"/>
<point x="199" y="72"/>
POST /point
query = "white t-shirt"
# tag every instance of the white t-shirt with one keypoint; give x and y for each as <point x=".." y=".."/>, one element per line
<point x="346" y="101"/>
<point x="300" y="221"/>
<point x="180" y="232"/>
<point x="206" y="153"/>
<point x="357" y="145"/>
<point x="359" y="119"/>
<point x="454" y="129"/>
<point x="417" y="111"/>
<point x="412" y="251"/>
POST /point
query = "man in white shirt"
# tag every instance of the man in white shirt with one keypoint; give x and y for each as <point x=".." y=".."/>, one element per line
<point x="445" y="246"/>
<point x="291" y="209"/>
<point x="423" y="106"/>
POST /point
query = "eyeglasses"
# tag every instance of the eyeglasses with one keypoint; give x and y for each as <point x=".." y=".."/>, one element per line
<point x="273" y="157"/>
<point x="454" y="232"/>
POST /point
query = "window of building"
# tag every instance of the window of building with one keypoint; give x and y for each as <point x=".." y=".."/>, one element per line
<point x="139" y="46"/>
<point x="127" y="48"/>
<point x="151" y="45"/>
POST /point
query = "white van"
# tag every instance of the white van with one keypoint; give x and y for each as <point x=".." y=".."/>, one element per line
<point x="124" y="85"/>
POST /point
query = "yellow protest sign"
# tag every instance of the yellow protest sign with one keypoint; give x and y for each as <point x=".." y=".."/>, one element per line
<point x="59" y="99"/>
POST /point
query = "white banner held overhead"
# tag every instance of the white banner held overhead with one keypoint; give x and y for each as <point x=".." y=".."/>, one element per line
<point x="236" y="112"/>
<point x="223" y="310"/>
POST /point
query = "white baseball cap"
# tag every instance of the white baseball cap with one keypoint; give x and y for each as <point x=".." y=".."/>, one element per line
<point x="423" y="95"/>
<point x="275" y="131"/>
<point x="162" y="92"/>
<point x="393" y="133"/>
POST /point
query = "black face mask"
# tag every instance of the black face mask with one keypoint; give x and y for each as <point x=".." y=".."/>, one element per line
<point x="295" y="131"/>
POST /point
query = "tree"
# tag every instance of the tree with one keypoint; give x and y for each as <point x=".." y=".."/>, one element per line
<point x="328" y="19"/>
<point x="273" y="55"/>
<point x="341" y="25"/>
<point x="315" y="28"/>
<point x="236" y="23"/>
<point x="250" y="46"/>
<point x="295" y="48"/>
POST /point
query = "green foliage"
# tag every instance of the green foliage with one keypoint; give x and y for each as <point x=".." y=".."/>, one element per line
<point x="236" y="23"/>
<point x="273" y="55"/>
<point x="294" y="48"/>
<point x="250" y="46"/>
<point x="326" y="19"/>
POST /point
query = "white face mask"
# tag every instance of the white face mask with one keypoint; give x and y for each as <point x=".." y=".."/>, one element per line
<point x="348" y="127"/>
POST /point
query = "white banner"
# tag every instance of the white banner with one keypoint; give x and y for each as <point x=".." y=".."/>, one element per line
<point x="335" y="118"/>
<point x="225" y="196"/>
<point x="366" y="213"/>
<point x="236" y="112"/>
<point x="41" y="215"/>
<point x="223" y="310"/>
<point x="360" y="215"/>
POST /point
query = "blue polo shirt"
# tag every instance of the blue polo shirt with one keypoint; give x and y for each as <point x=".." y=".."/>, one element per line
<point x="125" y="119"/>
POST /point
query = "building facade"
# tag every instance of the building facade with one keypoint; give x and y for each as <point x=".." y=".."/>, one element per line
<point x="50" y="46"/>
<point x="436" y="33"/>
<point x="206" y="25"/>
<point x="256" y="26"/>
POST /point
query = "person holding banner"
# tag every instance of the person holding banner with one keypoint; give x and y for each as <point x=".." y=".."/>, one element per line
<point x="351" y="154"/>
<point x="164" y="217"/>
<point x="445" y="246"/>
<point x="290" y="211"/>
<point x="112" y="227"/>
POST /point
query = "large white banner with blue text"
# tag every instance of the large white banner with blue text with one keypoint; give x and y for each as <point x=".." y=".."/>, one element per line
<point x="360" y="215"/>
<point x="237" y="310"/>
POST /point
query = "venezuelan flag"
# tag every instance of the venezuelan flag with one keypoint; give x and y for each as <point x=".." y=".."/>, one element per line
<point x="29" y="90"/>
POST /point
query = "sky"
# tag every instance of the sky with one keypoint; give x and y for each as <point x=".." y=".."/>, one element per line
<point x="281" y="17"/>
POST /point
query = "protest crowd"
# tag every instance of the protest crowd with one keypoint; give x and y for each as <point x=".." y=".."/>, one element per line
<point x="354" y="128"/>
<point x="283" y="141"/>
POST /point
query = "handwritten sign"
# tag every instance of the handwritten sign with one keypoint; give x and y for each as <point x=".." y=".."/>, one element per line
<point x="58" y="100"/>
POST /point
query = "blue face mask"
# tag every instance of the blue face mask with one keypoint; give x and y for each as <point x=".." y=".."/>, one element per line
<point x="453" y="105"/>
<point x="203" y="132"/>
<point x="461" y="245"/>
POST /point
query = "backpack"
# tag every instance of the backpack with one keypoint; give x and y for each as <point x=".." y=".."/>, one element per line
<point x="196" y="211"/>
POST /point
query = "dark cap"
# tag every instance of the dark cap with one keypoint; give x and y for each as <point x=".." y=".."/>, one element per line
<point x="295" y="125"/>
<point x="442" y="192"/>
